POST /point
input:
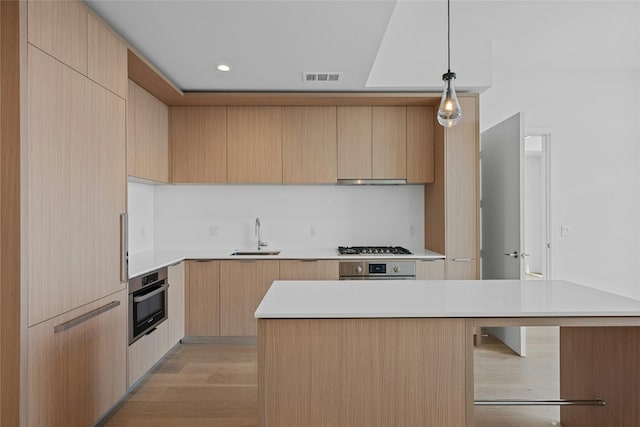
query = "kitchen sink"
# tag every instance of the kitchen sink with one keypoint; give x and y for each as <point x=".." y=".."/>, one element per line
<point x="251" y="253"/>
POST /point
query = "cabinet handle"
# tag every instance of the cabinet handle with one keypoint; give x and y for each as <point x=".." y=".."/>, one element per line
<point x="151" y="294"/>
<point x="461" y="260"/>
<point x="81" y="319"/>
<point x="124" y="247"/>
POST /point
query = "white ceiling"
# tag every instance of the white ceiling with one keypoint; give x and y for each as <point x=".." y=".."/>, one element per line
<point x="377" y="44"/>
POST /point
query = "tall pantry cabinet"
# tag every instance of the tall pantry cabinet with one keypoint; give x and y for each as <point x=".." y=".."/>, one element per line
<point x="75" y="191"/>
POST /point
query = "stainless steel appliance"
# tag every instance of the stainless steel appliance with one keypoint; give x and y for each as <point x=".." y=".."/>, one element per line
<point x="373" y="250"/>
<point x="148" y="303"/>
<point x="377" y="270"/>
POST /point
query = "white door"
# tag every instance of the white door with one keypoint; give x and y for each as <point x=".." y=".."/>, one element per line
<point x="502" y="154"/>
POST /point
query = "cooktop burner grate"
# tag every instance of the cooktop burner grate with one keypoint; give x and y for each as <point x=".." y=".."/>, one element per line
<point x="373" y="250"/>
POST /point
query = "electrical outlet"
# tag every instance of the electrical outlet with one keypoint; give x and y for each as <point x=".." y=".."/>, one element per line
<point x="412" y="230"/>
<point x="312" y="230"/>
<point x="214" y="231"/>
<point x="566" y="230"/>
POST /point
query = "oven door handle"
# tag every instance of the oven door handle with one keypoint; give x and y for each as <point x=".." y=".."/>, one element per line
<point x="151" y="294"/>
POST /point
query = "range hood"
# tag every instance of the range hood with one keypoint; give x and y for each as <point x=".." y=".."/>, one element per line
<point x="372" y="181"/>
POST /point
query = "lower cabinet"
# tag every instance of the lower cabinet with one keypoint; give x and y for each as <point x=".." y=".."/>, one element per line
<point x="202" y="315"/>
<point x="176" y="298"/>
<point x="77" y="363"/>
<point x="309" y="270"/>
<point x="243" y="284"/>
<point x="461" y="269"/>
<point x="145" y="352"/>
<point x="430" y="270"/>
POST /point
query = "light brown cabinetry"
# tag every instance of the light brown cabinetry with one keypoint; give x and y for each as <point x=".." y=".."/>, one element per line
<point x="254" y="145"/>
<point x="176" y="297"/>
<point x="420" y="135"/>
<point x="75" y="374"/>
<point x="198" y="143"/>
<point x="203" y="298"/>
<point x="60" y="29"/>
<point x="451" y="202"/>
<point x="430" y="270"/>
<point x="107" y="58"/>
<point x="76" y="184"/>
<point x="309" y="147"/>
<point x="147" y="135"/>
<point x="243" y="284"/>
<point x="354" y="142"/>
<point x="309" y="270"/>
<point x="144" y="353"/>
<point x="389" y="142"/>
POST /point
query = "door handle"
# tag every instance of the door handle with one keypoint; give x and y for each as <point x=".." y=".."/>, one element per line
<point x="524" y="255"/>
<point x="513" y="254"/>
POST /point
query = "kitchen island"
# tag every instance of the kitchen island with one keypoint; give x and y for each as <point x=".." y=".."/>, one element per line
<point x="400" y="353"/>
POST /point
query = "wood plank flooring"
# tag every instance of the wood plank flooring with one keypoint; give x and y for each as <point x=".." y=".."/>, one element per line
<point x="216" y="385"/>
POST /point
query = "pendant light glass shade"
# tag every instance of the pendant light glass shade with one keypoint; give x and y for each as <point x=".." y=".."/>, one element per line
<point x="449" y="113"/>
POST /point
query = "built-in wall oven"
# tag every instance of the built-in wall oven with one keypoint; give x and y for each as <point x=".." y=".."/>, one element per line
<point x="148" y="303"/>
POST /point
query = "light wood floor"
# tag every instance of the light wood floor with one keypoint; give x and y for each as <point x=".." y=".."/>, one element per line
<point x="216" y="385"/>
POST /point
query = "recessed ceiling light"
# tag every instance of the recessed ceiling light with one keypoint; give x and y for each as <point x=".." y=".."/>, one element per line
<point x="224" y="67"/>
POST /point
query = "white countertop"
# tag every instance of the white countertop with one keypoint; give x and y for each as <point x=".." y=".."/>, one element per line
<point x="145" y="262"/>
<point x="440" y="298"/>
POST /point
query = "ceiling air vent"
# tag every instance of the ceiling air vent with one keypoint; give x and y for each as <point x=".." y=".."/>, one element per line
<point x="321" y="77"/>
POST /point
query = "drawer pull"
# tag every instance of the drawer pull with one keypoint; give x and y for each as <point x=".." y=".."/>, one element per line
<point x="151" y="294"/>
<point x="81" y="319"/>
<point x="461" y="260"/>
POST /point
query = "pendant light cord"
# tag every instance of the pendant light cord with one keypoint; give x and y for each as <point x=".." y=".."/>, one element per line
<point x="448" y="36"/>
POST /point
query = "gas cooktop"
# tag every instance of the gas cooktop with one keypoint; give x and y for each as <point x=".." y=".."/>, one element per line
<point x="373" y="250"/>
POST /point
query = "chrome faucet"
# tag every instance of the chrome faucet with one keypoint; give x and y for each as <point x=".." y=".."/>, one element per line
<point x="261" y="244"/>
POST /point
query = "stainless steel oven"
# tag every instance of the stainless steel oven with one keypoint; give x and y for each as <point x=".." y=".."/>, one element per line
<point x="377" y="270"/>
<point x="148" y="303"/>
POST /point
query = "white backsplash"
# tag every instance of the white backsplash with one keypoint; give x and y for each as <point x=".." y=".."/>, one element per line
<point x="141" y="220"/>
<point x="292" y="216"/>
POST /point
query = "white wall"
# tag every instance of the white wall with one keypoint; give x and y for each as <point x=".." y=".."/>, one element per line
<point x="573" y="68"/>
<point x="141" y="221"/>
<point x="223" y="216"/>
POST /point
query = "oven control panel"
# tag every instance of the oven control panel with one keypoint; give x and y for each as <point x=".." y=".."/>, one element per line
<point x="350" y="270"/>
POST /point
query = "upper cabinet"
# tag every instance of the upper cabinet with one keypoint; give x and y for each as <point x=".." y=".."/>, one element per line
<point x="389" y="142"/>
<point x="354" y="142"/>
<point x="309" y="148"/>
<point x="198" y="144"/>
<point x="420" y="134"/>
<point x="107" y="62"/>
<point x="60" y="29"/>
<point x="254" y="145"/>
<point x="147" y="135"/>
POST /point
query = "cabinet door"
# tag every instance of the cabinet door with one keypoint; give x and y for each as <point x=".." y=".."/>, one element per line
<point x="430" y="270"/>
<point x="309" y="270"/>
<point x="389" y="142"/>
<point x="60" y="29"/>
<point x="75" y="375"/>
<point x="107" y="58"/>
<point x="76" y="186"/>
<point x="461" y="184"/>
<point x="146" y="352"/>
<point x="203" y="299"/>
<point x="354" y="142"/>
<point x="309" y="148"/>
<point x="148" y="135"/>
<point x="243" y="284"/>
<point x="254" y="136"/>
<point x="198" y="141"/>
<point x="176" y="303"/>
<point x="420" y="137"/>
<point x="461" y="269"/>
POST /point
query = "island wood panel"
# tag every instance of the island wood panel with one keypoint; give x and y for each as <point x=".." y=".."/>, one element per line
<point x="461" y="177"/>
<point x="309" y="147"/>
<point x="600" y="363"/>
<point x="107" y="58"/>
<point x="74" y="376"/>
<point x="309" y="270"/>
<point x="254" y="145"/>
<point x="434" y="198"/>
<point x="354" y="142"/>
<point x="76" y="187"/>
<point x="362" y="372"/>
<point x="420" y="140"/>
<point x="430" y="270"/>
<point x="60" y="29"/>
<point x="198" y="142"/>
<point x="11" y="21"/>
<point x="389" y="142"/>
<point x="176" y="278"/>
<point x="203" y="298"/>
<point x="150" y="136"/>
<point x="243" y="284"/>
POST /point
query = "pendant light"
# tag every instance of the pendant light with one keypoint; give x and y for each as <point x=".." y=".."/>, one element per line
<point x="449" y="113"/>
